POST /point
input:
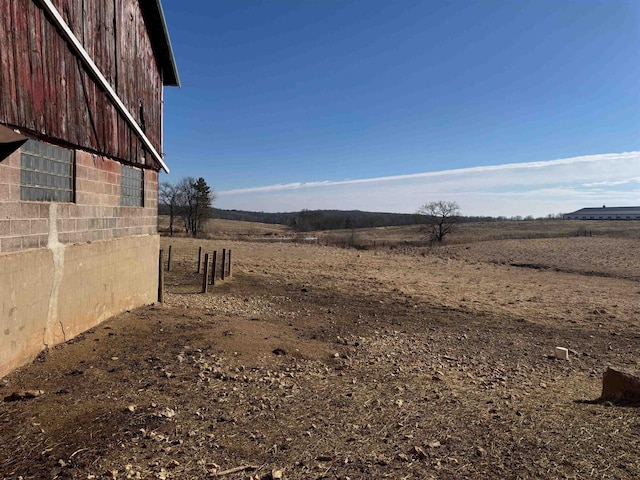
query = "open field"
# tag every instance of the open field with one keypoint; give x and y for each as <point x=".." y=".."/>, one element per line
<point x="229" y="229"/>
<point x="464" y="233"/>
<point x="473" y="232"/>
<point x="322" y="362"/>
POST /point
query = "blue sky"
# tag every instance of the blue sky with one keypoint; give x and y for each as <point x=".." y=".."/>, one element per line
<point x="287" y="105"/>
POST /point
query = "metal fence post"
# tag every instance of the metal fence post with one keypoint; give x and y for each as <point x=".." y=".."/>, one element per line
<point x="199" y="258"/>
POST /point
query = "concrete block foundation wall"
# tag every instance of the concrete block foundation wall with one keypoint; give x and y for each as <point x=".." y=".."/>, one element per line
<point x="95" y="215"/>
<point x="65" y="267"/>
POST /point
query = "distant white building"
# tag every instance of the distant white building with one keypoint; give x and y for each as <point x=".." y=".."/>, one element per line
<point x="604" y="213"/>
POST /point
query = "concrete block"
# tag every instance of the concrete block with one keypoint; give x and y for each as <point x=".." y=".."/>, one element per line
<point x="83" y="159"/>
<point x="5" y="192"/>
<point x="39" y="226"/>
<point x="68" y="225"/>
<point x="11" y="244"/>
<point x="561" y="353"/>
<point x="112" y="178"/>
<point x="44" y="210"/>
<point x="10" y="210"/>
<point x="75" y="211"/>
<point x="83" y="185"/>
<point x="64" y="210"/>
<point x="20" y="227"/>
<point x="15" y="192"/>
<point x="81" y="171"/>
<point x="29" y="210"/>
<point x="5" y="229"/>
<point x="30" y="241"/>
<point x="43" y="240"/>
<point x="10" y="173"/>
<point x="82" y="224"/>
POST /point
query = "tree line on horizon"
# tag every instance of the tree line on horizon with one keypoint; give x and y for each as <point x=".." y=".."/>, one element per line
<point x="314" y="220"/>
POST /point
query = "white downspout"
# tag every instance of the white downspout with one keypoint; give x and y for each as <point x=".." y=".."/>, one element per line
<point x="162" y="111"/>
<point x="103" y="81"/>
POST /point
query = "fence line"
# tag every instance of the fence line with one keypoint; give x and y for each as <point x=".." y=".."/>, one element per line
<point x="193" y="266"/>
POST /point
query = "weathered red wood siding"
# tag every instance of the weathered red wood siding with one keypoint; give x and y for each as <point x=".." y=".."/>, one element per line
<point x="45" y="88"/>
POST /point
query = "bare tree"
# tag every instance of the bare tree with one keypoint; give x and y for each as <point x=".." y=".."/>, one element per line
<point x="168" y="195"/>
<point x="194" y="203"/>
<point x="440" y="217"/>
<point x="186" y="199"/>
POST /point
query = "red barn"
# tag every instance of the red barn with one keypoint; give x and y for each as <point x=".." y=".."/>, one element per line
<point x="81" y="94"/>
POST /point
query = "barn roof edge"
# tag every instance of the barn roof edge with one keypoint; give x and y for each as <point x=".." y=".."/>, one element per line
<point x="159" y="33"/>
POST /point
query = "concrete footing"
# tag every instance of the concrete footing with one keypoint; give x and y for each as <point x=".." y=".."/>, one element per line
<point x="50" y="295"/>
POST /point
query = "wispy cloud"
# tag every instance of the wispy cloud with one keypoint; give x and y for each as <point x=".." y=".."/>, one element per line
<point x="612" y="183"/>
<point x="533" y="188"/>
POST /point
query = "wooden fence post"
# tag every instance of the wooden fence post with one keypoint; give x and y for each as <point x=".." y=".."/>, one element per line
<point x="199" y="258"/>
<point x="224" y="260"/>
<point x="214" y="267"/>
<point x="205" y="277"/>
<point x="160" y="277"/>
<point x="229" y="271"/>
<point x="169" y="260"/>
<point x="212" y="271"/>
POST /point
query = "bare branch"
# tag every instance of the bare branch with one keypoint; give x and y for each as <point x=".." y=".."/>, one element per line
<point x="440" y="216"/>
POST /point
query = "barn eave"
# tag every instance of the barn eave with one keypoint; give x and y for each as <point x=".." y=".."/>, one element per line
<point x="159" y="34"/>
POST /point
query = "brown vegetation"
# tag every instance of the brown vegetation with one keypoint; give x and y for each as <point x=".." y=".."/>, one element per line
<point x="463" y="233"/>
<point x="319" y="362"/>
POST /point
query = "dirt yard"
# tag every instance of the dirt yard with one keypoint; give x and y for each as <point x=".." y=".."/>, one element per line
<point x="317" y="362"/>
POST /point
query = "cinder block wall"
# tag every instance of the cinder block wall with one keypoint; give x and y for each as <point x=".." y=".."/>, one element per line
<point x="95" y="215"/>
<point x="65" y="267"/>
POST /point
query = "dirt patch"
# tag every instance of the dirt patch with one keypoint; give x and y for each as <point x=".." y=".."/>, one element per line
<point x="333" y="363"/>
<point x="611" y="257"/>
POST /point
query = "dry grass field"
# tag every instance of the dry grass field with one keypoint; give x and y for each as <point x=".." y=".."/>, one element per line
<point x="464" y="233"/>
<point x="320" y="362"/>
<point x="229" y="229"/>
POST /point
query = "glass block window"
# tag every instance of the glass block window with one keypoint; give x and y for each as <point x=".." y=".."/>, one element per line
<point x="46" y="172"/>
<point x="132" y="192"/>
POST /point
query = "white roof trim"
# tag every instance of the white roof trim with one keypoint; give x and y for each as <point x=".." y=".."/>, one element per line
<point x="103" y="81"/>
